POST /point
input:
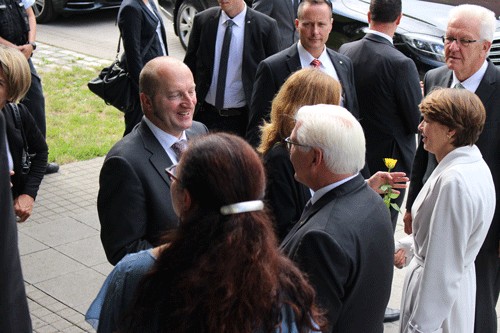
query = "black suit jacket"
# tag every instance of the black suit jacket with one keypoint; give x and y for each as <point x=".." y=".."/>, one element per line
<point x="388" y="91"/>
<point x="285" y="196"/>
<point x="30" y="183"/>
<point x="283" y="12"/>
<point x="273" y="72"/>
<point x="261" y="39"/>
<point x="14" y="313"/>
<point x="344" y="244"/>
<point x="138" y="26"/>
<point x="134" y="203"/>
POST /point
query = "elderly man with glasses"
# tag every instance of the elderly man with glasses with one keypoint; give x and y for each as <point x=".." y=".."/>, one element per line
<point x="343" y="240"/>
<point x="467" y="43"/>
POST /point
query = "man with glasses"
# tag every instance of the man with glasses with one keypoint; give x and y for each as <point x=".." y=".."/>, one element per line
<point x="314" y="24"/>
<point x="343" y="240"/>
<point x="134" y="203"/>
<point x="467" y="42"/>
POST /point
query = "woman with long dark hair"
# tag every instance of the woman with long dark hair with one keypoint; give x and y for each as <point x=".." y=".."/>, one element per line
<point x="221" y="270"/>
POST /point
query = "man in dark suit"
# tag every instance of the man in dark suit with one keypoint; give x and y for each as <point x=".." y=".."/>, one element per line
<point x="14" y="313"/>
<point x="343" y="240"/>
<point x="144" y="38"/>
<point x="223" y="90"/>
<point x="388" y="91"/>
<point x="285" y="13"/>
<point x="466" y="50"/>
<point x="314" y="23"/>
<point x="134" y="203"/>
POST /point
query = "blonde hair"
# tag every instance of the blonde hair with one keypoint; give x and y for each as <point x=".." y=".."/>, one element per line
<point x="307" y="86"/>
<point x="16" y="70"/>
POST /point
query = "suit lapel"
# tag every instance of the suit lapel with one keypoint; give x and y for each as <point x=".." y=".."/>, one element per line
<point x="486" y="86"/>
<point x="211" y="36"/>
<point x="148" y="11"/>
<point x="159" y="158"/>
<point x="340" y="67"/>
<point x="330" y="196"/>
<point x="293" y="59"/>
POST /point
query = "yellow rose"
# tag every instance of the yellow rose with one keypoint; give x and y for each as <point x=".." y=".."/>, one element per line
<point x="390" y="163"/>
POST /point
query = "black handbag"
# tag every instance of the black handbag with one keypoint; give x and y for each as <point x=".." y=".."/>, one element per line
<point x="26" y="156"/>
<point x="114" y="84"/>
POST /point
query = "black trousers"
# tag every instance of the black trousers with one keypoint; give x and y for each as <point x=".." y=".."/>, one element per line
<point x="210" y="116"/>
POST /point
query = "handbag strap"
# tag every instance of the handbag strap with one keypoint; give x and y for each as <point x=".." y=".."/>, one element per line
<point x="143" y="53"/>
<point x="19" y="124"/>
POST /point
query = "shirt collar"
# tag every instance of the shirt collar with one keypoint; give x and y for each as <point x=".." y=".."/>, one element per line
<point x="165" y="139"/>
<point x="381" y="34"/>
<point x="307" y="57"/>
<point x="239" y="20"/>
<point x="322" y="191"/>
<point x="472" y="82"/>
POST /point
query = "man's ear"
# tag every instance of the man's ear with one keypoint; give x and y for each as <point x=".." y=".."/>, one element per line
<point x="146" y="103"/>
<point x="317" y="156"/>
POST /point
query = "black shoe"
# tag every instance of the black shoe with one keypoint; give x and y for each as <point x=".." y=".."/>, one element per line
<point x="391" y="315"/>
<point x="51" y="168"/>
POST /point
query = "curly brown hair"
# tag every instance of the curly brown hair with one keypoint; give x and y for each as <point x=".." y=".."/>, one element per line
<point x="222" y="273"/>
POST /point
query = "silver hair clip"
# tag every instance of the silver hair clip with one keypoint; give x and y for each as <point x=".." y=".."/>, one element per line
<point x="242" y="207"/>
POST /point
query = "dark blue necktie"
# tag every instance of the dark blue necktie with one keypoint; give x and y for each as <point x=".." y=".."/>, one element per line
<point x="224" y="56"/>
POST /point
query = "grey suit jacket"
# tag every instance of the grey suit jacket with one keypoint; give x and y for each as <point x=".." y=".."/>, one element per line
<point x="14" y="313"/>
<point x="282" y="11"/>
<point x="344" y="244"/>
<point x="261" y="40"/>
<point x="273" y="72"/>
<point x="134" y="203"/>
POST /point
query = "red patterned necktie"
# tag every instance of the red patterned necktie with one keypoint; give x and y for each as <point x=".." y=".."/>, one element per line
<point x="316" y="63"/>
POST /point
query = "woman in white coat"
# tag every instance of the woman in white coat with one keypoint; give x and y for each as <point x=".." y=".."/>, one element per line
<point x="451" y="216"/>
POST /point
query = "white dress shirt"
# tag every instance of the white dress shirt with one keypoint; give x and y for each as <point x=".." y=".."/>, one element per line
<point x="472" y="82"/>
<point x="234" y="95"/>
<point x="166" y="140"/>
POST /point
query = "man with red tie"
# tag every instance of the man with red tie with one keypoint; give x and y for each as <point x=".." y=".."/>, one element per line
<point x="314" y="23"/>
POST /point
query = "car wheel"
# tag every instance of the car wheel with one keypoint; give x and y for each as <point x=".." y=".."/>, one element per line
<point x="44" y="11"/>
<point x="184" y="21"/>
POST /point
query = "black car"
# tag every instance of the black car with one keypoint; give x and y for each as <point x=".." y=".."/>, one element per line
<point x="47" y="10"/>
<point x="419" y="34"/>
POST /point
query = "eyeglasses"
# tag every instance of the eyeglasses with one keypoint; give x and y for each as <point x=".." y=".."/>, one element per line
<point x="289" y="144"/>
<point x="460" y="41"/>
<point x="171" y="172"/>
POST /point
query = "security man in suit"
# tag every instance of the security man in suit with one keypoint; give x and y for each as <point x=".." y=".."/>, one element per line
<point x="134" y="203"/>
<point x="466" y="48"/>
<point x="343" y="241"/>
<point x="388" y="90"/>
<point x="314" y="23"/>
<point x="18" y="30"/>
<point x="230" y="34"/>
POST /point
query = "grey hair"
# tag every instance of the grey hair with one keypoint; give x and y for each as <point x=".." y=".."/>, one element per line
<point x="336" y="132"/>
<point x="484" y="17"/>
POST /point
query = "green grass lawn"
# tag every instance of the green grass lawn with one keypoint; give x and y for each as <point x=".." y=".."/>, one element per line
<point x="80" y="126"/>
